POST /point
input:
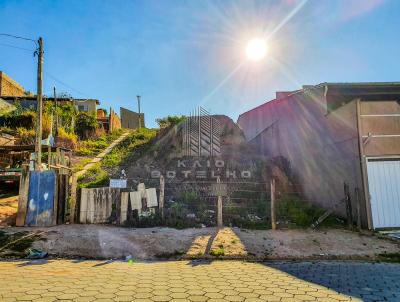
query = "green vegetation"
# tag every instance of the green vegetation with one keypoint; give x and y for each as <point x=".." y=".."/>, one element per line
<point x="67" y="139"/>
<point x="247" y="208"/>
<point x="98" y="175"/>
<point x="83" y="162"/>
<point x="27" y="136"/>
<point x="390" y="257"/>
<point x="94" y="177"/>
<point x="93" y="147"/>
<point x="18" y="119"/>
<point x="170" y="120"/>
<point x="22" y="123"/>
<point x="301" y="213"/>
<point x="125" y="149"/>
<point x="218" y="252"/>
<point x="85" y="125"/>
<point x="66" y="116"/>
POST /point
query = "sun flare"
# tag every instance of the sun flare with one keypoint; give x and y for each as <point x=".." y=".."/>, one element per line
<point x="256" y="49"/>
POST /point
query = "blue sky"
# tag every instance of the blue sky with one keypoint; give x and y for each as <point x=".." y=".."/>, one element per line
<point x="181" y="54"/>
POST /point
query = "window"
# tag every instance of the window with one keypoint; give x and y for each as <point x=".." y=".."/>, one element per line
<point x="82" y="107"/>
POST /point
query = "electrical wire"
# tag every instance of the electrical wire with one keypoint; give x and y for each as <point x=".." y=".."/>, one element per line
<point x="48" y="74"/>
<point x="17" y="47"/>
<point x="17" y="37"/>
<point x="65" y="84"/>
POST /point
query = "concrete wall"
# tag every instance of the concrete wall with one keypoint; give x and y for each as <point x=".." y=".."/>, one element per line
<point x="9" y="87"/>
<point x="322" y="148"/>
<point x="86" y="105"/>
<point x="380" y="127"/>
<point x="130" y="119"/>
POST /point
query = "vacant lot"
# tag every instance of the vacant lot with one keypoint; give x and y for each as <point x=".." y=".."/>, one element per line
<point x="108" y="242"/>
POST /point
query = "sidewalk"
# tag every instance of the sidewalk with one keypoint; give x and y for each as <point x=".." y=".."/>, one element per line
<point x="174" y="281"/>
<point x="101" y="155"/>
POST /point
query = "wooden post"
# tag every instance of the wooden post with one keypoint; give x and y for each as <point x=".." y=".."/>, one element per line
<point x="162" y="186"/>
<point x="23" y="196"/>
<point x="357" y="193"/>
<point x="74" y="185"/>
<point x="55" y="200"/>
<point x="273" y="209"/>
<point x="363" y="165"/>
<point x="219" y="208"/>
<point x="349" y="212"/>
<point x="49" y="146"/>
<point x="38" y="145"/>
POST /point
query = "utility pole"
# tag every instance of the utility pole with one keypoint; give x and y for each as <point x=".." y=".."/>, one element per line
<point x="38" y="147"/>
<point x="140" y="117"/>
<point x="56" y="110"/>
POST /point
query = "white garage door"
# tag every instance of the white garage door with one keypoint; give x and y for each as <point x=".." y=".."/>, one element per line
<point x="384" y="190"/>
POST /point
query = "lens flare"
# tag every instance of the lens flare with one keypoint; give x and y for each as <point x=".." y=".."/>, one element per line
<point x="256" y="49"/>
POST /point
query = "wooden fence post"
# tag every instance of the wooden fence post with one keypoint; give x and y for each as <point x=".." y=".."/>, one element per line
<point x="74" y="185"/>
<point x="162" y="186"/>
<point x="273" y="209"/>
<point x="23" y="196"/>
<point x="357" y="193"/>
<point x="55" y="198"/>
<point x="219" y="208"/>
<point x="349" y="212"/>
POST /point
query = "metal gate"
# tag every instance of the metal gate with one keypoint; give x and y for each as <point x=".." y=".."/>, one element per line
<point x="41" y="198"/>
<point x="384" y="190"/>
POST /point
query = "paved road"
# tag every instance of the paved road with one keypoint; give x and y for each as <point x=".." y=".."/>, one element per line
<point x="368" y="281"/>
<point x="64" y="280"/>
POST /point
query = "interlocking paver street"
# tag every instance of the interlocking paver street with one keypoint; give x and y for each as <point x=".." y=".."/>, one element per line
<point x="369" y="281"/>
<point x="79" y="281"/>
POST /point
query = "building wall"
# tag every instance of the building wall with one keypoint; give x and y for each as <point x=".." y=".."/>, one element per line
<point x="130" y="119"/>
<point x="9" y="87"/>
<point x="101" y="113"/>
<point x="86" y="105"/>
<point x="380" y="127"/>
<point x="322" y="148"/>
<point x="115" y="121"/>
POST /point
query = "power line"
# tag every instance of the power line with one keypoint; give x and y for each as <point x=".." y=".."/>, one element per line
<point x="18" y="37"/>
<point x="17" y="47"/>
<point x="65" y="84"/>
<point x="48" y="74"/>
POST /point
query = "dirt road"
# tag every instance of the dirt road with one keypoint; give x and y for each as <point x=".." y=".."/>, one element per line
<point x="108" y="242"/>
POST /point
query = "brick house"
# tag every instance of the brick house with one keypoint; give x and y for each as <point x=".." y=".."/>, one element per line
<point x="9" y="87"/>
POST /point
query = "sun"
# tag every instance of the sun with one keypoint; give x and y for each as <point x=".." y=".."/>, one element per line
<point x="256" y="49"/>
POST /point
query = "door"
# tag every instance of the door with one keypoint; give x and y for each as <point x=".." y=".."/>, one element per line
<point x="384" y="190"/>
<point x="41" y="199"/>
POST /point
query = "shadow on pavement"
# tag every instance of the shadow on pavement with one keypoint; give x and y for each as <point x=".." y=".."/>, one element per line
<point x="103" y="263"/>
<point x="363" y="280"/>
<point x="34" y="262"/>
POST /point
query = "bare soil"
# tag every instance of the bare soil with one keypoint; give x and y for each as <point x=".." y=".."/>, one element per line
<point x="8" y="209"/>
<point x="110" y="242"/>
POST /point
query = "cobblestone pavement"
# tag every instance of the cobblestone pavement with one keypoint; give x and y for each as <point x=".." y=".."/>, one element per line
<point x="64" y="280"/>
<point x="368" y="281"/>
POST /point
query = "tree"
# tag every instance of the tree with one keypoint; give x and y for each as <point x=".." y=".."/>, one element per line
<point x="170" y="120"/>
<point x="85" y="124"/>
